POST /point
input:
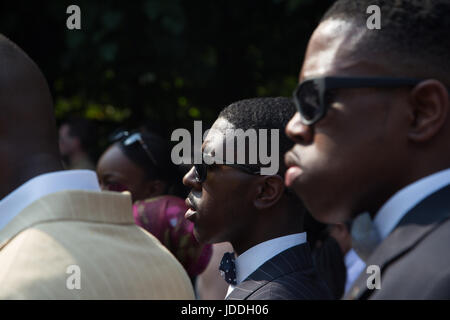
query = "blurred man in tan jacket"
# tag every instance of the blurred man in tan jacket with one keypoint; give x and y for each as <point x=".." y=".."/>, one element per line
<point x="60" y="238"/>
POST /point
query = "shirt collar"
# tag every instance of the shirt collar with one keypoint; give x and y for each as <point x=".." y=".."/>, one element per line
<point x="407" y="198"/>
<point x="350" y="258"/>
<point x="354" y="266"/>
<point x="42" y="185"/>
<point x="256" y="256"/>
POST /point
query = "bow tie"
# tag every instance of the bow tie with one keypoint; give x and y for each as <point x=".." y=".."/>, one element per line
<point x="227" y="268"/>
<point x="365" y="236"/>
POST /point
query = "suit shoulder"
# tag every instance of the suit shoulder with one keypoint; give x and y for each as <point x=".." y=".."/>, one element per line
<point x="298" y="285"/>
<point x="433" y="248"/>
<point x="433" y="277"/>
<point x="423" y="272"/>
<point x="116" y="261"/>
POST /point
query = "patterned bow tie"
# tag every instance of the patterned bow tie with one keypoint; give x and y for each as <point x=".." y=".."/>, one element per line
<point x="227" y="268"/>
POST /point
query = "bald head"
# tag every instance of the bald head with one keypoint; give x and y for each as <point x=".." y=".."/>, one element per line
<point x="28" y="138"/>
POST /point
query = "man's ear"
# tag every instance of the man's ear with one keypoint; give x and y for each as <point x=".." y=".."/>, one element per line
<point x="429" y="102"/>
<point x="270" y="189"/>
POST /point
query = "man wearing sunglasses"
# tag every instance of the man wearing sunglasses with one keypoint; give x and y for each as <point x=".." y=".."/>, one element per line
<point x="255" y="213"/>
<point x="372" y="136"/>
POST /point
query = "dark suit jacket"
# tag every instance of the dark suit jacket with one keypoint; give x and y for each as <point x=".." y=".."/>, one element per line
<point x="415" y="258"/>
<point x="289" y="275"/>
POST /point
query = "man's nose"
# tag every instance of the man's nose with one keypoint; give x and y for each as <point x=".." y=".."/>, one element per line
<point x="190" y="179"/>
<point x="297" y="131"/>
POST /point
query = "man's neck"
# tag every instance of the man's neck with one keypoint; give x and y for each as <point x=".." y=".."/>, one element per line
<point x="388" y="193"/>
<point x="265" y="232"/>
<point x="33" y="166"/>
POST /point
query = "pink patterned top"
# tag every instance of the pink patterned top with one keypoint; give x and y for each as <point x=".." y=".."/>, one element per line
<point x="163" y="217"/>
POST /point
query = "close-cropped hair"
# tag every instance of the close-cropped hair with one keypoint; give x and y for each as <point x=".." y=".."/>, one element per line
<point x="263" y="113"/>
<point x="414" y="37"/>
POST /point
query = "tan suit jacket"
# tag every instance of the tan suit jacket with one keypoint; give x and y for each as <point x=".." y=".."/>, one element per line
<point x="85" y="245"/>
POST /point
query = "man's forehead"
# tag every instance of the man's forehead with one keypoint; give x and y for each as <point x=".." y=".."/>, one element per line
<point x="331" y="49"/>
<point x="216" y="136"/>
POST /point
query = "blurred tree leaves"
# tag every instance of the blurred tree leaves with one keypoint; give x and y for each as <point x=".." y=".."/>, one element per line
<point x="167" y="62"/>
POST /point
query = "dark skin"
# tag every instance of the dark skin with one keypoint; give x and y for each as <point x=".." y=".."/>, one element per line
<point x="342" y="235"/>
<point x="372" y="142"/>
<point x="237" y="207"/>
<point x="116" y="172"/>
<point x="28" y="136"/>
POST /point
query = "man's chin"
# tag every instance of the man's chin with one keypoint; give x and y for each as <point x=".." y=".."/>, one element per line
<point x="318" y="201"/>
<point x="201" y="237"/>
<point x="298" y="187"/>
<point x="204" y="239"/>
<point x="327" y="214"/>
<point x="198" y="236"/>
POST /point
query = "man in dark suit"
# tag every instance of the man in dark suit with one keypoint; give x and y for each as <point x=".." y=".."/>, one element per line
<point x="248" y="205"/>
<point x="372" y="136"/>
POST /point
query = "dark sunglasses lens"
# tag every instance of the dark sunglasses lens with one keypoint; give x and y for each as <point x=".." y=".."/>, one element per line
<point x="308" y="100"/>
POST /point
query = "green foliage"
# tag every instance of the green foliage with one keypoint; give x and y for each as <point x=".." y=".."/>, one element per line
<point x="168" y="62"/>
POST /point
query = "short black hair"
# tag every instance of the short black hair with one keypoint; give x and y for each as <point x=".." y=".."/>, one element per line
<point x="414" y="37"/>
<point x="263" y="113"/>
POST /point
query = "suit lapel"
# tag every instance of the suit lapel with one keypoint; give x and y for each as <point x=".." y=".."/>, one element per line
<point x="290" y="260"/>
<point x="245" y="289"/>
<point x="110" y="207"/>
<point x="415" y="226"/>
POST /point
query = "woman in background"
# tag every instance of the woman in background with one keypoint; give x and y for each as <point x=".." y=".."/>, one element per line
<point x="139" y="162"/>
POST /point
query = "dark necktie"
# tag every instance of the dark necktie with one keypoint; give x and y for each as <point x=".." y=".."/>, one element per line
<point x="227" y="268"/>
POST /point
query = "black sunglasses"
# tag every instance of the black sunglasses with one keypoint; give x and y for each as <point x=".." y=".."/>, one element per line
<point x="312" y="101"/>
<point x="201" y="170"/>
<point x="127" y="138"/>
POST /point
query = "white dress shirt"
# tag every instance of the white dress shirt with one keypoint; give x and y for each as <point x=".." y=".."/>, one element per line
<point x="354" y="266"/>
<point x="42" y="185"/>
<point x="404" y="200"/>
<point x="256" y="256"/>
